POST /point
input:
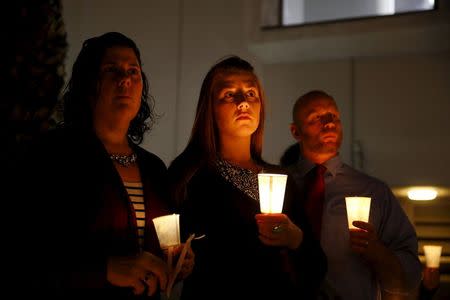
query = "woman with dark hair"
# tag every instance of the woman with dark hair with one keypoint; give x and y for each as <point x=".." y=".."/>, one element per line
<point x="87" y="73"/>
<point x="94" y="231"/>
<point x="244" y="254"/>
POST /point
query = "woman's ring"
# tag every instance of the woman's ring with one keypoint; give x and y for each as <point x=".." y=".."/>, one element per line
<point x="277" y="229"/>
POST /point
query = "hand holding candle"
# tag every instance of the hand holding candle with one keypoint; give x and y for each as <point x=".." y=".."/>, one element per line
<point x="358" y="209"/>
<point x="431" y="274"/>
<point x="274" y="227"/>
<point x="168" y="232"/>
<point x="432" y="255"/>
<point x="363" y="237"/>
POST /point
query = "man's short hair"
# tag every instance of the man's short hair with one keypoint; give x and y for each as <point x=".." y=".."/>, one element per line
<point x="305" y="98"/>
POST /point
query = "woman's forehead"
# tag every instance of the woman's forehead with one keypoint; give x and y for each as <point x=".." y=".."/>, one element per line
<point x="230" y="78"/>
<point x="120" y="53"/>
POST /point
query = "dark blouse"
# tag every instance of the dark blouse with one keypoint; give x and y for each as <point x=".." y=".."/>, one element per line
<point x="243" y="179"/>
<point x="231" y="262"/>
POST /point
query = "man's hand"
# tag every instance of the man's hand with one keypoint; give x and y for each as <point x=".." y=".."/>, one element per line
<point x="364" y="241"/>
<point x="383" y="261"/>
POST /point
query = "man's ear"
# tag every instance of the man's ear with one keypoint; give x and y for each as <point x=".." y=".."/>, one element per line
<point x="295" y="131"/>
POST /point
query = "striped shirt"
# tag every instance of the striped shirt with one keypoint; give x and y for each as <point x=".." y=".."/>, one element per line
<point x="136" y="193"/>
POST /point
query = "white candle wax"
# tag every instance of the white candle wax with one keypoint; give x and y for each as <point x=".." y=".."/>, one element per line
<point x="271" y="192"/>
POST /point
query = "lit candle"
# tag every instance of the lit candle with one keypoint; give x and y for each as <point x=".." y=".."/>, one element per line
<point x="271" y="192"/>
<point x="168" y="230"/>
<point x="358" y="209"/>
<point x="432" y="255"/>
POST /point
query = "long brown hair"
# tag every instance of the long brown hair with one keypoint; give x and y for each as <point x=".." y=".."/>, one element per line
<point x="202" y="147"/>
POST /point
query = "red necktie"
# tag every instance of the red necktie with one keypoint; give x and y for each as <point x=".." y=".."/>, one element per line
<point x="315" y="187"/>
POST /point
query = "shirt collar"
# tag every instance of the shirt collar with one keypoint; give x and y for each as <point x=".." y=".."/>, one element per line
<point x="304" y="165"/>
<point x="333" y="164"/>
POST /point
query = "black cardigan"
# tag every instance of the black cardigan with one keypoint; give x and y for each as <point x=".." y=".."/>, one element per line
<point x="78" y="213"/>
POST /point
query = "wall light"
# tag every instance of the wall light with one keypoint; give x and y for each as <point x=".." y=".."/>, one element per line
<point x="422" y="193"/>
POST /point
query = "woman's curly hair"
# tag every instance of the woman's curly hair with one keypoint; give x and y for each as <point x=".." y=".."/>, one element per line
<point x="82" y="86"/>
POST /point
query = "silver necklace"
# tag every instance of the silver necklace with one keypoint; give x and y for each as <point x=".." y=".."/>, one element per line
<point x="124" y="160"/>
